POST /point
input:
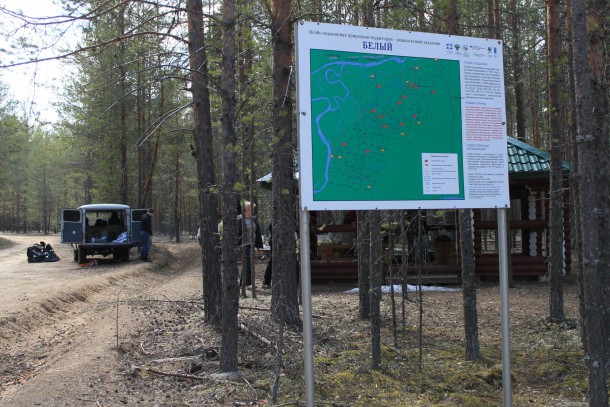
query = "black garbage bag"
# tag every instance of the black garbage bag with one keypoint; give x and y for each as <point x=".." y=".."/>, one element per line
<point x="50" y="254"/>
<point x="40" y="252"/>
<point x="35" y="254"/>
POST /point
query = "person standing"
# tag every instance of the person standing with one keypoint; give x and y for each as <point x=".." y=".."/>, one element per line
<point x="146" y="233"/>
<point x="245" y="237"/>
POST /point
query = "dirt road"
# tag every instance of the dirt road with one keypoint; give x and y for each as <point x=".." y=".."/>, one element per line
<point x="62" y="325"/>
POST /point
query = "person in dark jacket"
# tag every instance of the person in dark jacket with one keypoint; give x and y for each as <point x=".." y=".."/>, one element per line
<point x="146" y="233"/>
<point x="244" y="240"/>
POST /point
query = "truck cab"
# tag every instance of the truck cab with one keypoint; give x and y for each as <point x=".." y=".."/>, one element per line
<point x="101" y="229"/>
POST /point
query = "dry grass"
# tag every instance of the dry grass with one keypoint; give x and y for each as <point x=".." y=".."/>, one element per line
<point x="547" y="365"/>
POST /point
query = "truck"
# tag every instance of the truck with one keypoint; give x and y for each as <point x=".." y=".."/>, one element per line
<point x="101" y="229"/>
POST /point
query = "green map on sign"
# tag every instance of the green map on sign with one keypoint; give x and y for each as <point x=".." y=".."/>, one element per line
<point x="373" y="116"/>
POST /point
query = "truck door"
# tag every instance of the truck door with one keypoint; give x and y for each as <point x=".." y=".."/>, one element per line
<point x="72" y="227"/>
<point x="136" y="215"/>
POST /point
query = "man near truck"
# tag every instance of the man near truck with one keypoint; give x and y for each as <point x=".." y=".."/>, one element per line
<point x="146" y="233"/>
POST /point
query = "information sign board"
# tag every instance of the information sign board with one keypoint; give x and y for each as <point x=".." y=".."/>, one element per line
<point x="399" y="120"/>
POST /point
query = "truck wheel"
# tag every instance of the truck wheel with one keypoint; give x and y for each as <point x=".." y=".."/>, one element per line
<point x="125" y="255"/>
<point x="116" y="254"/>
<point x="82" y="255"/>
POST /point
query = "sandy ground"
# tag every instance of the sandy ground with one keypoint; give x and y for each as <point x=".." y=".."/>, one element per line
<point x="61" y="323"/>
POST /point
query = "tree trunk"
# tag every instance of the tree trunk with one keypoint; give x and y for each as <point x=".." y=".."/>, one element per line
<point x="469" y="285"/>
<point x="208" y="205"/>
<point x="496" y="19"/>
<point x="556" y="257"/>
<point x="177" y="199"/>
<point x="284" y="301"/>
<point x="230" y="300"/>
<point x="404" y="262"/>
<point x="452" y="17"/>
<point x="123" y="172"/>
<point x="490" y="18"/>
<point x="45" y="204"/>
<point x="364" y="264"/>
<point x="517" y="71"/>
<point x="389" y="261"/>
<point x="575" y="226"/>
<point x="147" y="193"/>
<point x="593" y="207"/>
<point x="599" y="59"/>
<point x="247" y="144"/>
<point x="368" y="13"/>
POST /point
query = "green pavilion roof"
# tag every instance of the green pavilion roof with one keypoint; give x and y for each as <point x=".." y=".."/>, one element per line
<point x="524" y="159"/>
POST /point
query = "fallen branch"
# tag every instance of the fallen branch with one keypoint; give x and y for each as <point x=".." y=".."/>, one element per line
<point x="177" y="359"/>
<point x="254" y="334"/>
<point x="249" y="385"/>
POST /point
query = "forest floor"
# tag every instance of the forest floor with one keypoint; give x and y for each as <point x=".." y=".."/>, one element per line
<point x="131" y="334"/>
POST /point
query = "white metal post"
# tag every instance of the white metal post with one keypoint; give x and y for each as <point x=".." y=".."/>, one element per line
<point x="307" y="308"/>
<point x="504" y="314"/>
